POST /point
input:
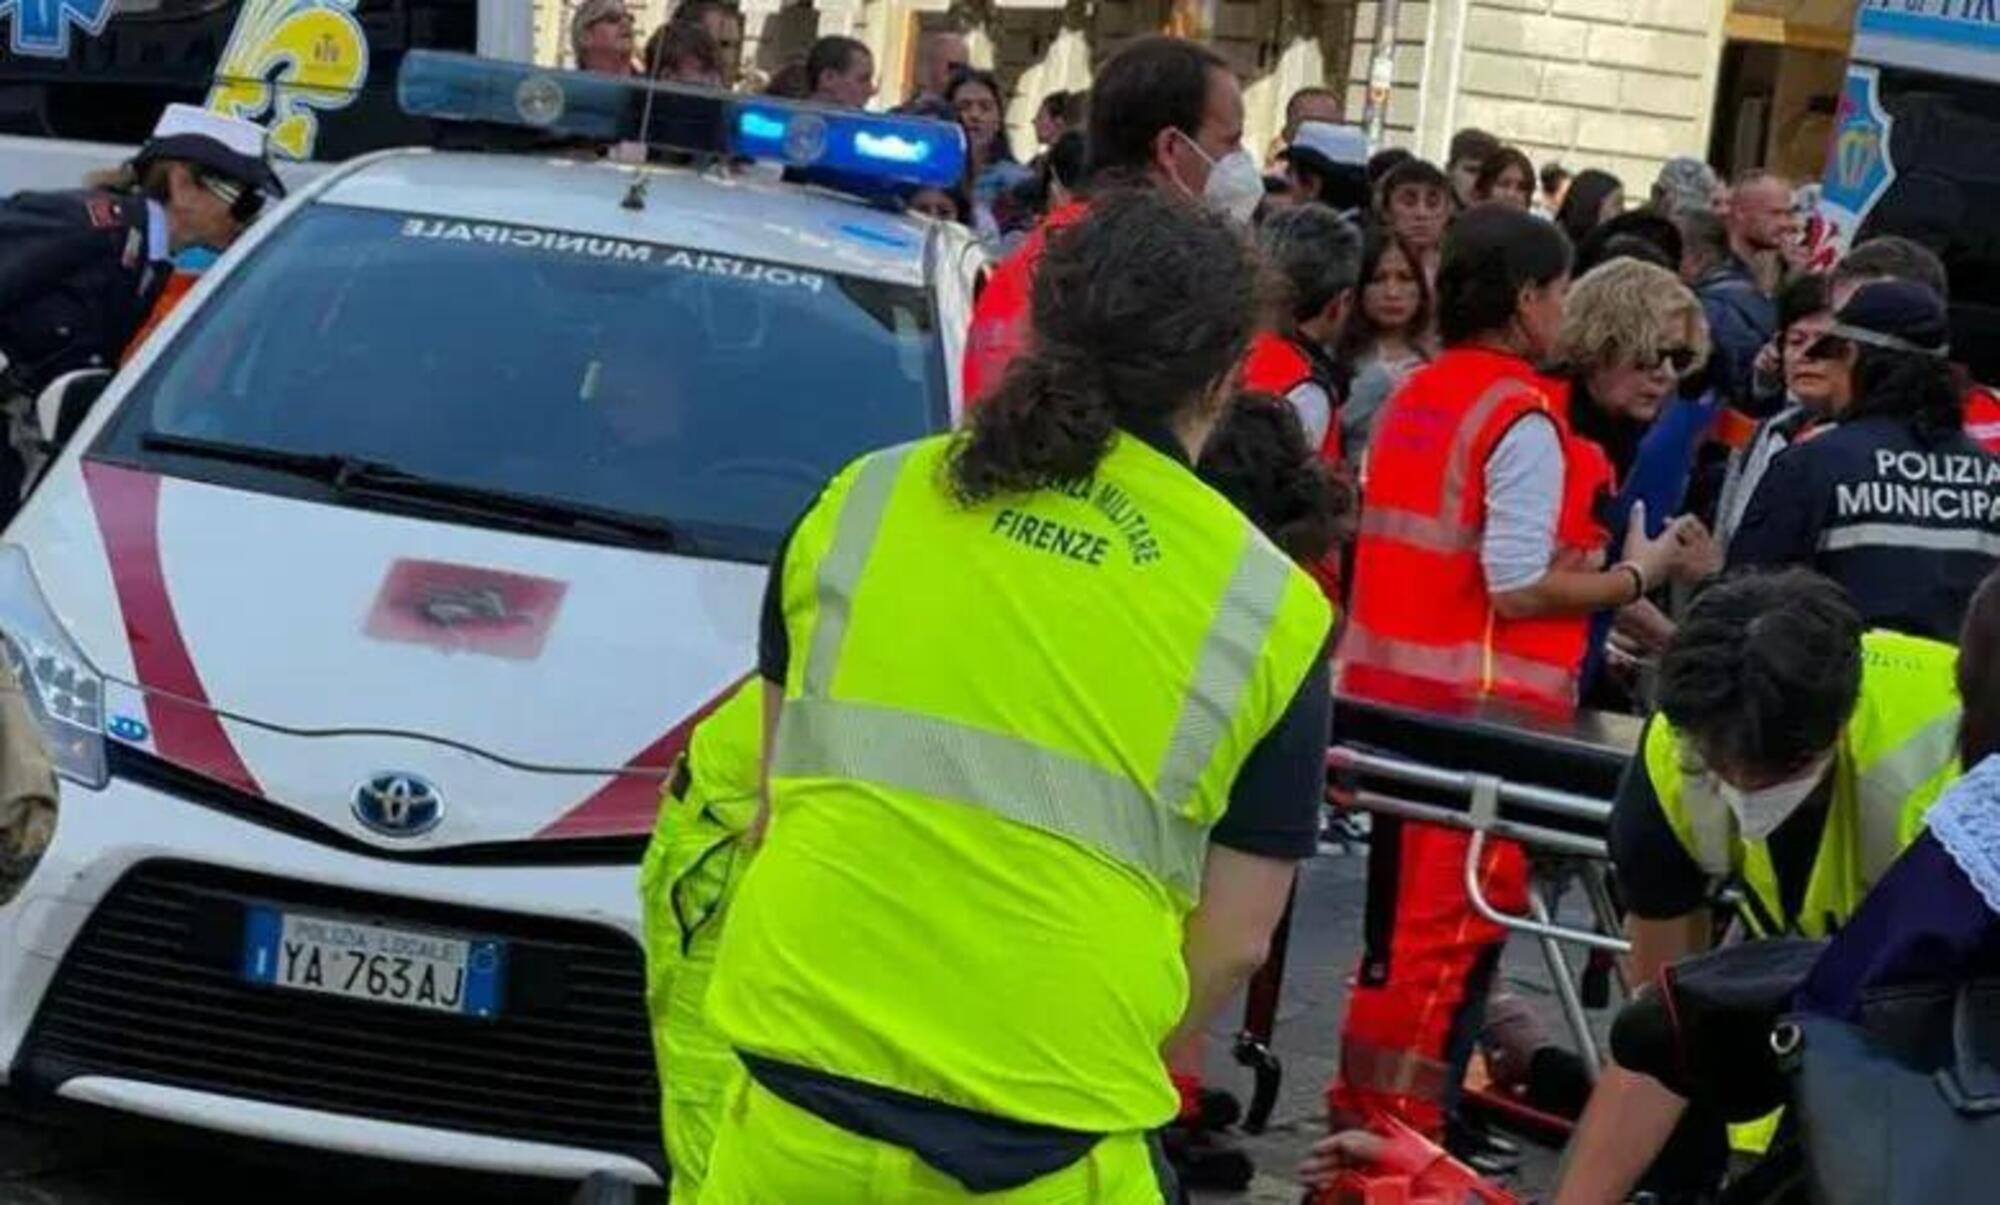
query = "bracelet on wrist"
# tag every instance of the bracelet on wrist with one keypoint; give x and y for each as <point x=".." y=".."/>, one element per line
<point x="1638" y="576"/>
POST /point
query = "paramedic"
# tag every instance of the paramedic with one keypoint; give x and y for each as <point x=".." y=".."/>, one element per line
<point x="972" y="928"/>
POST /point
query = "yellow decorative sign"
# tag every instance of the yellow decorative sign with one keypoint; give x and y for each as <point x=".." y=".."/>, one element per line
<point x="287" y="61"/>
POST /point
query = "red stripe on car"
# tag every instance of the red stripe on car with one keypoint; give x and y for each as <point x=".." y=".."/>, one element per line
<point x="186" y="730"/>
<point x="630" y="803"/>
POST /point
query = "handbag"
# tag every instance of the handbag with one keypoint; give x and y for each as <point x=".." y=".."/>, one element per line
<point x="1903" y="1107"/>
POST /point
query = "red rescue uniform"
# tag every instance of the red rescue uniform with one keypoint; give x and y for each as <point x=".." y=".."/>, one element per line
<point x="1422" y="632"/>
<point x="1277" y="364"/>
<point x="1001" y="315"/>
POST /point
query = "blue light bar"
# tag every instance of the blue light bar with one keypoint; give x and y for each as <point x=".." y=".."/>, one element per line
<point x="840" y="146"/>
<point x="848" y="142"/>
<point x="464" y="87"/>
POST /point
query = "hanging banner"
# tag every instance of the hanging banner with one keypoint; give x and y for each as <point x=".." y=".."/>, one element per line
<point x="1951" y="37"/>
<point x="287" y="62"/>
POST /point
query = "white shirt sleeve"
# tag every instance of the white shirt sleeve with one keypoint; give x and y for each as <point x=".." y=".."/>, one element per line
<point x="1524" y="484"/>
<point x="1315" y="409"/>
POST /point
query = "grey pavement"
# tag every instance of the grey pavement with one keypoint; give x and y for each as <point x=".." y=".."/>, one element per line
<point x="93" y="1164"/>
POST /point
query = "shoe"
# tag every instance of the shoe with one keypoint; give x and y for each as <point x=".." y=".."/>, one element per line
<point x="1480" y="1149"/>
<point x="1202" y="1160"/>
<point x="1218" y="1110"/>
<point x="1344" y="832"/>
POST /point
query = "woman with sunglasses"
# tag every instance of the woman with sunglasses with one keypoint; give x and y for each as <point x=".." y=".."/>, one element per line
<point x="1805" y="387"/>
<point x="1895" y="502"/>
<point x="1631" y="333"/>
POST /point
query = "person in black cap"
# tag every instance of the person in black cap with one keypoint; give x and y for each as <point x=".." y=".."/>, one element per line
<point x="80" y="270"/>
<point x="1894" y="501"/>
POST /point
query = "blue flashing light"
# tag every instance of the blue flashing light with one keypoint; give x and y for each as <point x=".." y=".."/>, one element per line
<point x="868" y="151"/>
<point x="883" y="148"/>
<point x="890" y="148"/>
<point x="760" y="127"/>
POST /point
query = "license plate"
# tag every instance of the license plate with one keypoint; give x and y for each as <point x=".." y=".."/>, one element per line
<point x="336" y="957"/>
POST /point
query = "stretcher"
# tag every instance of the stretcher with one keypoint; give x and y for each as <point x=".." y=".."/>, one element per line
<point x="1500" y="774"/>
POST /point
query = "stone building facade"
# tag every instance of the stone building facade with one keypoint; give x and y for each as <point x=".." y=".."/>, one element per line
<point x="1621" y="84"/>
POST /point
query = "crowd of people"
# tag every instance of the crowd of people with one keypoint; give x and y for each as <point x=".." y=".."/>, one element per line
<point x="1508" y="424"/>
<point x="1461" y="436"/>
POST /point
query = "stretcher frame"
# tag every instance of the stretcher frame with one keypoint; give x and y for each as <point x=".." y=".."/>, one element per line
<point x="1494" y="807"/>
<point x="1565" y="831"/>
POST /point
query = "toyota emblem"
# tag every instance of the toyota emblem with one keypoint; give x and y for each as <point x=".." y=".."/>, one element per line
<point x="398" y="805"/>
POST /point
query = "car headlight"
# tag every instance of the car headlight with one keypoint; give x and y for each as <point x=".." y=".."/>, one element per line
<point x="63" y="689"/>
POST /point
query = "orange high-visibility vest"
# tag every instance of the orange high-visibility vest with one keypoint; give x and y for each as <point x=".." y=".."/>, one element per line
<point x="177" y="288"/>
<point x="1276" y="365"/>
<point x="1422" y="629"/>
<point x="1002" y="314"/>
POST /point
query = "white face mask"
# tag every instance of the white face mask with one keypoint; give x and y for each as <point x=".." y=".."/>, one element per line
<point x="1760" y="813"/>
<point x="1235" y="186"/>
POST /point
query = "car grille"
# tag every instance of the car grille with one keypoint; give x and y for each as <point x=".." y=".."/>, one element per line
<point x="150" y="991"/>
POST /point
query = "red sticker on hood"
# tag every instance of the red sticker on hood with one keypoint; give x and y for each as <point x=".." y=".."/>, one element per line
<point x="461" y="608"/>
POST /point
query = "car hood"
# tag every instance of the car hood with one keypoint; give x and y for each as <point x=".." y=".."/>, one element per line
<point x="295" y="651"/>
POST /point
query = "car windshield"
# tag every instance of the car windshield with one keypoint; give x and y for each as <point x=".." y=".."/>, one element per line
<point x="710" y="394"/>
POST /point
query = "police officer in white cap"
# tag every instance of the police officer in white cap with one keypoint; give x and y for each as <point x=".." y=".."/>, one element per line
<point x="1328" y="163"/>
<point x="80" y="270"/>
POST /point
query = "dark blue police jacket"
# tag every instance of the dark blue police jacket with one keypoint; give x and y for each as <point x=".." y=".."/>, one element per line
<point x="76" y="281"/>
<point x="1909" y="527"/>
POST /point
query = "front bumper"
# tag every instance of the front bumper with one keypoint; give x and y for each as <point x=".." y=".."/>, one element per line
<point x="119" y="986"/>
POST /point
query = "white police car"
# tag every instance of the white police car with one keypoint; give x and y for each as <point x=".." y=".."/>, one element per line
<point x="366" y="611"/>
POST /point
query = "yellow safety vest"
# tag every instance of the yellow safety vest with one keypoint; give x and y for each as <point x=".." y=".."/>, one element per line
<point x="690" y="872"/>
<point x="1896" y="756"/>
<point x="1007" y="731"/>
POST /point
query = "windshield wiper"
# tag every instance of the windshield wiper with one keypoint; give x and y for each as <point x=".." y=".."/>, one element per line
<point x="357" y="476"/>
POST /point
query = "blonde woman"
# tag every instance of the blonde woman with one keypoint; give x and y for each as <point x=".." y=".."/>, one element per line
<point x="1631" y="333"/>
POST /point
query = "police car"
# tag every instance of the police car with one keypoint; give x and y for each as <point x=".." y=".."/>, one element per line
<point x="367" y="610"/>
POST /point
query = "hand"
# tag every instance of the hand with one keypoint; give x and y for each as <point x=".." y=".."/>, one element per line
<point x="1338" y="1153"/>
<point x="1698" y="555"/>
<point x="1769" y="362"/>
<point x="1684" y="550"/>
<point x="1639" y="633"/>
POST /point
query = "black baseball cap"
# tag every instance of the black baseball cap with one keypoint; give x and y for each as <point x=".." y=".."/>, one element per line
<point x="1893" y="315"/>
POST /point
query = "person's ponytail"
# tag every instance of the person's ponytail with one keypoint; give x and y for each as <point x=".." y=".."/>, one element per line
<point x="1919" y="389"/>
<point x="1049" y="419"/>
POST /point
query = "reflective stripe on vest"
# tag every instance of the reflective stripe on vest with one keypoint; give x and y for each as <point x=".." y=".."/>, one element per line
<point x="1898" y="775"/>
<point x="1145" y="826"/>
<point x="1470" y="662"/>
<point x="1445" y="530"/>
<point x="1909" y="535"/>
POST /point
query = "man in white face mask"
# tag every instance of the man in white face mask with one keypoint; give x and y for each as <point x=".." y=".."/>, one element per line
<point x="1165" y="113"/>
<point x="1204" y="160"/>
<point x="1794" y="755"/>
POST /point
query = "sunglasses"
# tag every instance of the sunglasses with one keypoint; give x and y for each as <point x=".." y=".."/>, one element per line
<point x="1679" y="359"/>
<point x="244" y="204"/>
<point x="1827" y="347"/>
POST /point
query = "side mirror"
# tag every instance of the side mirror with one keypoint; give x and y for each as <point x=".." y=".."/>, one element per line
<point x="64" y="404"/>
